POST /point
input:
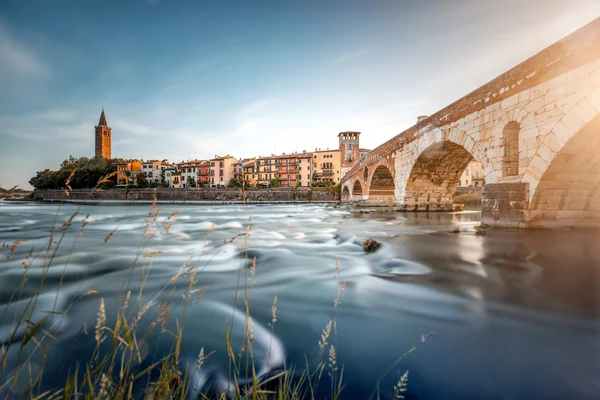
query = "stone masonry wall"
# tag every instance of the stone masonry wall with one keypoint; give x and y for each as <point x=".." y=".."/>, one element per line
<point x="505" y="204"/>
<point x="183" y="195"/>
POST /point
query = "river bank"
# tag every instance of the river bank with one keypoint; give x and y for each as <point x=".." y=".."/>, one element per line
<point x="191" y="196"/>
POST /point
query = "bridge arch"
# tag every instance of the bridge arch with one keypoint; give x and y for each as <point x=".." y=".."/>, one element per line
<point x="381" y="186"/>
<point x="568" y="194"/>
<point x="434" y="177"/>
<point x="357" y="189"/>
<point x="345" y="193"/>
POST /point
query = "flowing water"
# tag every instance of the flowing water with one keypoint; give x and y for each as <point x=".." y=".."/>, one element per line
<point x="511" y="314"/>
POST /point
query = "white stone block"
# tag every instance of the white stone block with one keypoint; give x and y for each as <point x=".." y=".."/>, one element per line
<point x="546" y="153"/>
<point x="573" y="120"/>
<point x="524" y="95"/>
<point x="468" y="125"/>
<point x="594" y="99"/>
<point x="562" y="132"/>
<point x="529" y="133"/>
<point x="469" y="144"/>
<point x="585" y="111"/>
<point x="510" y="101"/>
<point x="554" y="95"/>
<point x="556" y="82"/>
<point x="535" y="104"/>
<point x="470" y="117"/>
<point x="553" y="142"/>
<point x="538" y="162"/>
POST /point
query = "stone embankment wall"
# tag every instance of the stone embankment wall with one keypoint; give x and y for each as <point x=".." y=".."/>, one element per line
<point x="316" y="195"/>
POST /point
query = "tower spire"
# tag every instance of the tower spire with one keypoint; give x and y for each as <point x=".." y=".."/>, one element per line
<point x="102" y="119"/>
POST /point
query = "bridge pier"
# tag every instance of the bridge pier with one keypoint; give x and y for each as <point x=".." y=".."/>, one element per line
<point x="505" y="204"/>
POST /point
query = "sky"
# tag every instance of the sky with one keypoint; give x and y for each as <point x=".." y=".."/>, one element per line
<point x="187" y="79"/>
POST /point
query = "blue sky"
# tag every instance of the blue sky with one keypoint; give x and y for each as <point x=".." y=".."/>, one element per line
<point x="191" y="79"/>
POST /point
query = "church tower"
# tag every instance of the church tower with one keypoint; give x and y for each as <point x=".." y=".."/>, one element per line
<point x="103" y="138"/>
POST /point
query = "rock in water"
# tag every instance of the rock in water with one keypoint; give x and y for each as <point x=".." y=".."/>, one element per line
<point x="370" y="245"/>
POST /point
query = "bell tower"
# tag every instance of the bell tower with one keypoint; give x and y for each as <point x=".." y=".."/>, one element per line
<point x="103" y="138"/>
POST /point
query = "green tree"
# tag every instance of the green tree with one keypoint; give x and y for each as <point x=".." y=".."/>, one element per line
<point x="234" y="183"/>
<point x="141" y="180"/>
<point x="88" y="173"/>
<point x="275" y="182"/>
<point x="191" y="182"/>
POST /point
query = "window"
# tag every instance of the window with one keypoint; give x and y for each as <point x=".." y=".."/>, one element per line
<point x="212" y="164"/>
<point x="467" y="171"/>
<point x="476" y="174"/>
<point x="221" y="164"/>
<point x="221" y="179"/>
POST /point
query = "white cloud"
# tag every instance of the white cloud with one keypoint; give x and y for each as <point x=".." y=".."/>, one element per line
<point x="16" y="59"/>
<point x="129" y="126"/>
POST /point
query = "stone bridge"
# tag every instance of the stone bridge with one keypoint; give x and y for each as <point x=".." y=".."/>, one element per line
<point x="535" y="129"/>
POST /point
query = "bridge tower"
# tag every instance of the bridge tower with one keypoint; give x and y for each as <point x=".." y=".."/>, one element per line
<point x="349" y="148"/>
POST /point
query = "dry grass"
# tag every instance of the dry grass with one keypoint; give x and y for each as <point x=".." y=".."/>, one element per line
<point x="112" y="370"/>
<point x="468" y="198"/>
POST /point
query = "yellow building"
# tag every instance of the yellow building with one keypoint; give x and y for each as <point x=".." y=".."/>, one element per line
<point x="472" y="175"/>
<point x="176" y="180"/>
<point x="127" y="172"/>
<point x="249" y="171"/>
<point x="221" y="170"/>
<point x="304" y="168"/>
<point x="326" y="166"/>
<point x="265" y="170"/>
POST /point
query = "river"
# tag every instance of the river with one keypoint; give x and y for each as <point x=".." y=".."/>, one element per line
<point x="505" y="315"/>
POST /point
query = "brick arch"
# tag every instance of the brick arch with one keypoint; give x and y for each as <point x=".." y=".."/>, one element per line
<point x="346" y="193"/>
<point x="381" y="185"/>
<point x="357" y="189"/>
<point x="568" y="193"/>
<point x="572" y="122"/>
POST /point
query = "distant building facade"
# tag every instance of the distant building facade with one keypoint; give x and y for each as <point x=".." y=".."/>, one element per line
<point x="103" y="138"/>
<point x="204" y="173"/>
<point x="249" y="171"/>
<point x="154" y="171"/>
<point x="472" y="175"/>
<point x="127" y="172"/>
<point x="326" y="166"/>
<point x="304" y="168"/>
<point x="189" y="172"/>
<point x="221" y="170"/>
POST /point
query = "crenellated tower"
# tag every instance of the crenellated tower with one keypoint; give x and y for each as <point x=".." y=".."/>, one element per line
<point x="349" y="147"/>
<point x="103" y="138"/>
